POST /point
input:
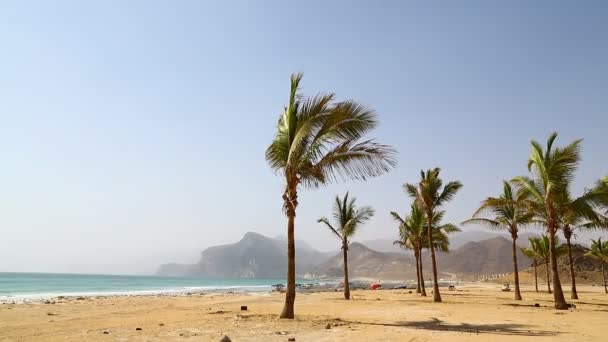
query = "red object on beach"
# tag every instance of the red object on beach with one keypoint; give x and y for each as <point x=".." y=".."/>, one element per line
<point x="375" y="286"/>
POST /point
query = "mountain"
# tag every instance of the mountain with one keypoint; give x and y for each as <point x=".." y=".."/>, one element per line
<point x="254" y="256"/>
<point x="385" y="246"/>
<point x="491" y="256"/>
<point x="364" y="262"/>
<point x="457" y="240"/>
<point x="588" y="271"/>
<point x="258" y="256"/>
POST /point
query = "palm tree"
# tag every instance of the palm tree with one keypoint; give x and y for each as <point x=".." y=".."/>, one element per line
<point x="533" y="252"/>
<point x="319" y="141"/>
<point x="599" y="251"/>
<point x="553" y="170"/>
<point x="544" y="251"/>
<point x="603" y="184"/>
<point x="430" y="194"/>
<point x="579" y="215"/>
<point x="412" y="235"/>
<point x="348" y="219"/>
<point x="507" y="213"/>
<point x="441" y="230"/>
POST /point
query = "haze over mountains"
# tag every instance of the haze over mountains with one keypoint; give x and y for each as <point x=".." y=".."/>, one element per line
<point x="258" y="256"/>
<point x="456" y="240"/>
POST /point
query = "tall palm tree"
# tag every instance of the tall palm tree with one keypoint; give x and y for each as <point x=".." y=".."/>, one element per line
<point x="553" y="170"/>
<point x="533" y="252"/>
<point x="412" y="235"/>
<point x="507" y="212"/>
<point x="348" y="219"/>
<point x="430" y="194"/>
<point x="599" y="251"/>
<point x="319" y="141"/>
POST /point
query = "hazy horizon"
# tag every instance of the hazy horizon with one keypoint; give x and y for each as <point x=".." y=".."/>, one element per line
<point x="133" y="133"/>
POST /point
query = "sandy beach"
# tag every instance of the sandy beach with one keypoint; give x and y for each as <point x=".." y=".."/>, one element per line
<point x="475" y="312"/>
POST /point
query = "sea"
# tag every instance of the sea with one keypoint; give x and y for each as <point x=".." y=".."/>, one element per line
<point x="19" y="287"/>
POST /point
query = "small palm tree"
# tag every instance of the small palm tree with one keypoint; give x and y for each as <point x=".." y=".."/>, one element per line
<point x="441" y="231"/>
<point x="553" y="170"/>
<point x="319" y="141"/>
<point x="544" y="251"/>
<point x="533" y="252"/>
<point x="348" y="219"/>
<point x="430" y="194"/>
<point x="507" y="212"/>
<point x="599" y="251"/>
<point x="578" y="216"/>
<point x="412" y="235"/>
<point x="581" y="214"/>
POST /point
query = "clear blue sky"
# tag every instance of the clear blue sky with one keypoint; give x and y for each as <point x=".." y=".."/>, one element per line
<point x="133" y="132"/>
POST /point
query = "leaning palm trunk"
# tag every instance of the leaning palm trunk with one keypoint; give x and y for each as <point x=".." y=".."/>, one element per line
<point x="515" y="270"/>
<point x="436" y="294"/>
<point x="535" y="276"/>
<point x="290" y="199"/>
<point x="420" y="270"/>
<point x="346" y="285"/>
<point x="417" y="257"/>
<point x="574" y="294"/>
<point x="604" y="277"/>
<point x="548" y="278"/>
<point x="558" y="294"/>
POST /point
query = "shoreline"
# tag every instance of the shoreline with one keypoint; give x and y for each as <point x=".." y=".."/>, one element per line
<point x="321" y="285"/>
<point x="474" y="312"/>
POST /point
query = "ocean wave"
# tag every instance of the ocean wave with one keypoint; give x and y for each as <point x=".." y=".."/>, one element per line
<point x="37" y="297"/>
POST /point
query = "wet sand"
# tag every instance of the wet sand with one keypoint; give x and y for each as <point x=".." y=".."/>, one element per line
<point x="475" y="312"/>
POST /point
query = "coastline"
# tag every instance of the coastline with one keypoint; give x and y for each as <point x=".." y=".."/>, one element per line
<point x="304" y="286"/>
<point x="474" y="312"/>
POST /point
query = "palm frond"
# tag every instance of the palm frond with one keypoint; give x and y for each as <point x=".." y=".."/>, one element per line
<point x="484" y="222"/>
<point x="448" y="193"/>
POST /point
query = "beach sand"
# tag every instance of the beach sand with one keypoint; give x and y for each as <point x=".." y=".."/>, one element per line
<point x="475" y="312"/>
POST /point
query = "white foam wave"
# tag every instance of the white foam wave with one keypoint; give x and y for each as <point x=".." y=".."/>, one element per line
<point x="40" y="297"/>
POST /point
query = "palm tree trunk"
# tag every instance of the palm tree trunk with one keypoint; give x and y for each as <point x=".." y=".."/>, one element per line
<point x="573" y="293"/>
<point x="548" y="278"/>
<point x="535" y="276"/>
<point x="422" y="285"/>
<point x="417" y="257"/>
<point x="436" y="294"/>
<point x="558" y="294"/>
<point x="346" y="285"/>
<point x="290" y="295"/>
<point x="604" y="276"/>
<point x="515" y="270"/>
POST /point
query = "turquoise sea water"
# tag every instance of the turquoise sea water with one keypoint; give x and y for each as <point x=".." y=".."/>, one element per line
<point x="43" y="285"/>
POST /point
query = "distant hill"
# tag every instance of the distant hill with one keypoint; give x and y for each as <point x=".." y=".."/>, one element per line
<point x="491" y="256"/>
<point x="457" y="240"/>
<point x="258" y="256"/>
<point x="254" y="256"/>
<point x="364" y="262"/>
<point x="385" y="246"/>
<point x="588" y="271"/>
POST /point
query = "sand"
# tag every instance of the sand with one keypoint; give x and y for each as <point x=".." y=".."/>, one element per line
<point x="475" y="312"/>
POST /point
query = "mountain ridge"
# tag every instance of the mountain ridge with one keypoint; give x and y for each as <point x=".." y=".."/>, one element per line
<point x="258" y="256"/>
